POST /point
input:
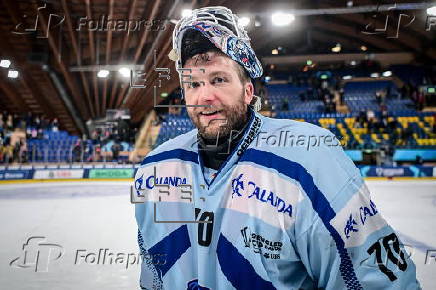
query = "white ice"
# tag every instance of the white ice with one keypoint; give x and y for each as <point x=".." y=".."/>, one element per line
<point x="84" y="217"/>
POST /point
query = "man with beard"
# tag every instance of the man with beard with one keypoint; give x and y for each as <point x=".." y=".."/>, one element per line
<point x="232" y="205"/>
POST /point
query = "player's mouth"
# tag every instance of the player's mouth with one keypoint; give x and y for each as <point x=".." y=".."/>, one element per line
<point x="210" y="114"/>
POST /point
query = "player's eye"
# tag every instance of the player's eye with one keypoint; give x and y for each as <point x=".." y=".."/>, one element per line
<point x="218" y="80"/>
<point x="194" y="85"/>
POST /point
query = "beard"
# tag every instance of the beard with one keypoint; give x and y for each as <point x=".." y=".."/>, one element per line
<point x="234" y="118"/>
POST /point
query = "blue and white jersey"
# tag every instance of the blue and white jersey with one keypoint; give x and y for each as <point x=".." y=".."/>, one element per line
<point x="287" y="210"/>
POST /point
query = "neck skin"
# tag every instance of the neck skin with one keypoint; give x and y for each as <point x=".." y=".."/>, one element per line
<point x="214" y="155"/>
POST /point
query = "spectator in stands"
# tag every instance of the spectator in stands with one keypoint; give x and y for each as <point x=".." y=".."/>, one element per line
<point x="40" y="134"/>
<point x="96" y="136"/>
<point x="44" y="122"/>
<point x="78" y="150"/>
<point x="16" y="151"/>
<point x="105" y="136"/>
<point x="23" y="152"/>
<point x="362" y="119"/>
<point x="329" y="105"/>
<point x="37" y="122"/>
<point x="97" y="153"/>
<point x="372" y="126"/>
<point x="392" y="126"/>
<point x="383" y="116"/>
<point x="378" y="97"/>
<point x="88" y="153"/>
<point x="7" y="151"/>
<point x="405" y="135"/>
<point x="34" y="133"/>
<point x="55" y="125"/>
<point x="370" y="115"/>
<point x="116" y="148"/>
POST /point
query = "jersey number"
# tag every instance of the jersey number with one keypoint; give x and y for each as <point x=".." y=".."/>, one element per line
<point x="204" y="229"/>
<point x="389" y="242"/>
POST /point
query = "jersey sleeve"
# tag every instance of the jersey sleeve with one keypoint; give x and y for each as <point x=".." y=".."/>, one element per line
<point x="149" y="274"/>
<point x="351" y="246"/>
<point x="149" y="277"/>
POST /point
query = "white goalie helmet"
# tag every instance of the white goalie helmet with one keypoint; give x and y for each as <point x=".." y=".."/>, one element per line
<point x="222" y="28"/>
<point x="233" y="42"/>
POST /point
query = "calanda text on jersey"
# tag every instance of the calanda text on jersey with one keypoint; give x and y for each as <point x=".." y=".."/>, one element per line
<point x="287" y="210"/>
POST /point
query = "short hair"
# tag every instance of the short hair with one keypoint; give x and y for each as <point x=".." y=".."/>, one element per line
<point x="194" y="42"/>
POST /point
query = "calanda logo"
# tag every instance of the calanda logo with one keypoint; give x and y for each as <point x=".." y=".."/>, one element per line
<point x="151" y="180"/>
<point x="250" y="190"/>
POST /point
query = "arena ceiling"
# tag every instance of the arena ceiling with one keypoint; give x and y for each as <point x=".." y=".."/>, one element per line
<point x="58" y="46"/>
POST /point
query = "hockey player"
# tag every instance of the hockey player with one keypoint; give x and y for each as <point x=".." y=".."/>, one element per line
<point x="239" y="204"/>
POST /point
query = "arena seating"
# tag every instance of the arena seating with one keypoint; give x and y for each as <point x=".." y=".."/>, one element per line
<point x="56" y="146"/>
<point x="358" y="96"/>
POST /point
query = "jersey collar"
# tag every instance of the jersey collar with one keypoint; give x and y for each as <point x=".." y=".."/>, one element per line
<point x="251" y="132"/>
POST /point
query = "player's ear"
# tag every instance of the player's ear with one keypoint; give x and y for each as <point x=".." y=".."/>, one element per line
<point x="248" y="92"/>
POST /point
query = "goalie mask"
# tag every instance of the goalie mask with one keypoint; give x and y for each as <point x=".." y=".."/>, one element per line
<point x="222" y="28"/>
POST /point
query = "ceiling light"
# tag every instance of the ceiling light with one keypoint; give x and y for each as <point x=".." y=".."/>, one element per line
<point x="103" y="73"/>
<point x="275" y="51"/>
<point x="5" y="63"/>
<point x="282" y="19"/>
<point x="337" y="48"/>
<point x="363" y="48"/>
<point x="375" y="75"/>
<point x="353" y="62"/>
<point x="347" y="77"/>
<point x="387" y="73"/>
<point x="125" y="72"/>
<point x="13" y="74"/>
<point x="431" y="11"/>
<point x="186" y="12"/>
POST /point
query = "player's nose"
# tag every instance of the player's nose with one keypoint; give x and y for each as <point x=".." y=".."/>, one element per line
<point x="206" y="94"/>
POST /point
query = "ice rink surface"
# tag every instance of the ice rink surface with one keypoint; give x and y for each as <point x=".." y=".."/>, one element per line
<point x="85" y="232"/>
